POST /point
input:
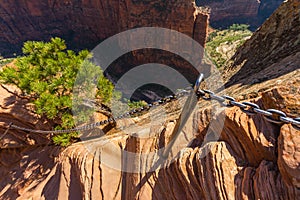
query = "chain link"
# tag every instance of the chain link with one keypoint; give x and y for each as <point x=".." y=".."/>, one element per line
<point x="275" y="117"/>
<point x="296" y="123"/>
<point x="251" y="106"/>
<point x="228" y="100"/>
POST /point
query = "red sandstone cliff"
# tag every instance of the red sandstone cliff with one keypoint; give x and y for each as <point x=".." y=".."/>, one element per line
<point x="253" y="159"/>
<point x="227" y="12"/>
<point x="276" y="40"/>
<point x="84" y="24"/>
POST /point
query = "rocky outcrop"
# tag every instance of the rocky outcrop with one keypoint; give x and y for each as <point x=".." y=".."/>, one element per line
<point x="288" y="161"/>
<point x="225" y="13"/>
<point x="275" y="41"/>
<point x="84" y="24"/>
<point x="253" y="159"/>
<point x="17" y="110"/>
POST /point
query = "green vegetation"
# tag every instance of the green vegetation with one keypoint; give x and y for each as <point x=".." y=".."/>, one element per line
<point x="221" y="45"/>
<point x="136" y="104"/>
<point x="46" y="75"/>
<point x="5" y="61"/>
<point x="239" y="27"/>
<point x="65" y="139"/>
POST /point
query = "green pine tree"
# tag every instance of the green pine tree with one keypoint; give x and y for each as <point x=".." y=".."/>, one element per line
<point x="46" y="75"/>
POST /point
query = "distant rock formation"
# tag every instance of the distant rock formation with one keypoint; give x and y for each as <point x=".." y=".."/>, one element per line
<point x="227" y="12"/>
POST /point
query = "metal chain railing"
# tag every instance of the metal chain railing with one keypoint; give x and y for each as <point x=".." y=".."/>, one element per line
<point x="92" y="126"/>
<point x="271" y="115"/>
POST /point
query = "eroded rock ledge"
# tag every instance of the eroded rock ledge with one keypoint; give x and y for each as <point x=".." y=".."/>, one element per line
<point x="253" y="159"/>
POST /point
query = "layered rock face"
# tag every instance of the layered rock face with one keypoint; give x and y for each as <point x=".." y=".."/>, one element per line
<point x="84" y="24"/>
<point x="253" y="159"/>
<point x="246" y="157"/>
<point x="225" y="13"/>
<point x="19" y="111"/>
<point x="276" y="39"/>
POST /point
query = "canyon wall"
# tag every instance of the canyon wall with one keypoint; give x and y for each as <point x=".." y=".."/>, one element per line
<point x="275" y="40"/>
<point x="253" y="12"/>
<point x="84" y="24"/>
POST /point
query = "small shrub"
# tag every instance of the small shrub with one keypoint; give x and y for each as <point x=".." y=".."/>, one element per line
<point x="136" y="104"/>
<point x="64" y="139"/>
